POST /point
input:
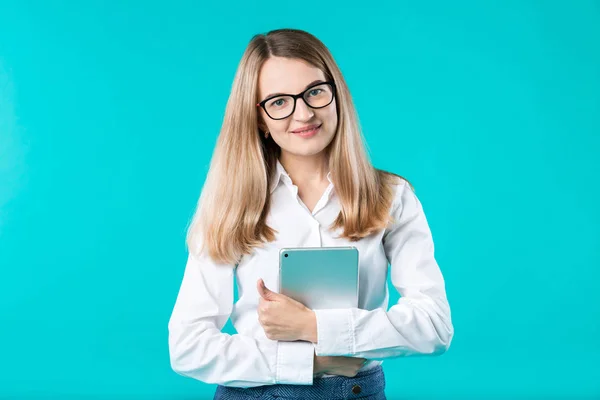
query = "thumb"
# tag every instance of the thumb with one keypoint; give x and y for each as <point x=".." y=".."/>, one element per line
<point x="264" y="292"/>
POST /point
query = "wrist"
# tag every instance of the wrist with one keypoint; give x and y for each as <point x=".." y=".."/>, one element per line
<point x="317" y="365"/>
<point x="310" y="327"/>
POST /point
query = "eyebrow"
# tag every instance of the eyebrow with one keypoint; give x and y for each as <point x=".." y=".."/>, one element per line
<point x="306" y="87"/>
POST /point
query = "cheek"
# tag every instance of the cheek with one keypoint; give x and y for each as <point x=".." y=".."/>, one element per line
<point x="271" y="125"/>
<point x="277" y="127"/>
<point x="331" y="118"/>
<point x="334" y="118"/>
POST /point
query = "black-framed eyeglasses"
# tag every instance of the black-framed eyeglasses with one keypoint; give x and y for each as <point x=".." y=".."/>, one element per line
<point x="282" y="106"/>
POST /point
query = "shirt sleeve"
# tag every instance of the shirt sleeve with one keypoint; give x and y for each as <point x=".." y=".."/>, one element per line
<point x="198" y="349"/>
<point x="420" y="322"/>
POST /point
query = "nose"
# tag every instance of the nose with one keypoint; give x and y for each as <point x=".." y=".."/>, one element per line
<point x="302" y="111"/>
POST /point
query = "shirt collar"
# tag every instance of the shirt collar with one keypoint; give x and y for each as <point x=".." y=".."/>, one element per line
<point x="281" y="174"/>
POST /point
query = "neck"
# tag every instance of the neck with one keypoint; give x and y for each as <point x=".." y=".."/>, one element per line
<point x="305" y="169"/>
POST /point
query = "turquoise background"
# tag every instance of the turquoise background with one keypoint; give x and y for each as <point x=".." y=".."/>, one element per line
<point x="109" y="112"/>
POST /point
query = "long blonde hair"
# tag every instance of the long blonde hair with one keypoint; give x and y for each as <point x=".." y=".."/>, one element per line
<point x="230" y="218"/>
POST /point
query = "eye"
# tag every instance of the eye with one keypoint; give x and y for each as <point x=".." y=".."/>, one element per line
<point x="315" y="92"/>
<point x="278" y="103"/>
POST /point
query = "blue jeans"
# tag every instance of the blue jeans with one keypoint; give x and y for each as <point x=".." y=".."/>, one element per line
<point x="366" y="385"/>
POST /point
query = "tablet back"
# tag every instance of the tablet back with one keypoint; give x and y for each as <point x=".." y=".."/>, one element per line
<point x="320" y="277"/>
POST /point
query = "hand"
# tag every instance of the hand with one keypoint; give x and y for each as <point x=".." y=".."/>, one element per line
<point x="283" y="318"/>
<point x="338" y="365"/>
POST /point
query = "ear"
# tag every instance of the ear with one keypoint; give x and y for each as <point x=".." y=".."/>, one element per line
<point x="260" y="119"/>
<point x="263" y="129"/>
<point x="261" y="125"/>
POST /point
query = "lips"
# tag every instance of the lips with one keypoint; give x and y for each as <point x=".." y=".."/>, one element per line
<point x="306" y="129"/>
<point x="307" y="132"/>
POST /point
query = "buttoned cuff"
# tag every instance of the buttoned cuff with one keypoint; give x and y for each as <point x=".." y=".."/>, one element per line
<point x="335" y="332"/>
<point x="295" y="362"/>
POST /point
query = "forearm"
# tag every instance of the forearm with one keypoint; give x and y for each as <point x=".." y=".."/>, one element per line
<point x="410" y="327"/>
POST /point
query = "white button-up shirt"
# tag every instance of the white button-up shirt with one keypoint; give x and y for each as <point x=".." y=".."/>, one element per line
<point x="419" y="323"/>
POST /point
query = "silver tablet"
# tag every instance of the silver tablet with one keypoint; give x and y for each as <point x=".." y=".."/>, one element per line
<point x="320" y="277"/>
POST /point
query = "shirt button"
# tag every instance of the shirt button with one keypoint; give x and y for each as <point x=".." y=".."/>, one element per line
<point x="356" y="389"/>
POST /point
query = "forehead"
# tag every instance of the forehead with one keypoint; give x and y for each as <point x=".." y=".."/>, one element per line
<point x="286" y="75"/>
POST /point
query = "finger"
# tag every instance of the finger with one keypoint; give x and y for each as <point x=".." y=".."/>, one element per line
<point x="260" y="286"/>
<point x="264" y="292"/>
<point x="261" y="303"/>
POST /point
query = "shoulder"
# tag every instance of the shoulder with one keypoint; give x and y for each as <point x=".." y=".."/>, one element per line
<point x="394" y="182"/>
<point x="401" y="189"/>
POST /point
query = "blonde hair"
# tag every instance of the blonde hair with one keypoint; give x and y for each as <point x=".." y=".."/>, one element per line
<point x="231" y="213"/>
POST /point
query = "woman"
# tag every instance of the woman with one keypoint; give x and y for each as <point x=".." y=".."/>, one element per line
<point x="290" y="170"/>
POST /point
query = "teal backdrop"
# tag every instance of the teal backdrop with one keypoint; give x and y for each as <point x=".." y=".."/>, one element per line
<point x="109" y="112"/>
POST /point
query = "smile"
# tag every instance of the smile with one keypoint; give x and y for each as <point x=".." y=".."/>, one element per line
<point x="309" y="132"/>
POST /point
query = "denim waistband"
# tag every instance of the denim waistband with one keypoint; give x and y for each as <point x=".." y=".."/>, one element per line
<point x="365" y="383"/>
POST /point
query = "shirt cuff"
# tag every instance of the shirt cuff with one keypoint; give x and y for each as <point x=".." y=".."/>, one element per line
<point x="335" y="332"/>
<point x="295" y="362"/>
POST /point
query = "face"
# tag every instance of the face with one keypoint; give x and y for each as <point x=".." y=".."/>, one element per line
<point x="280" y="75"/>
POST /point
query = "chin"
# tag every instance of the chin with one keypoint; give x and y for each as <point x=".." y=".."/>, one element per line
<point x="305" y="153"/>
<point x="309" y="150"/>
